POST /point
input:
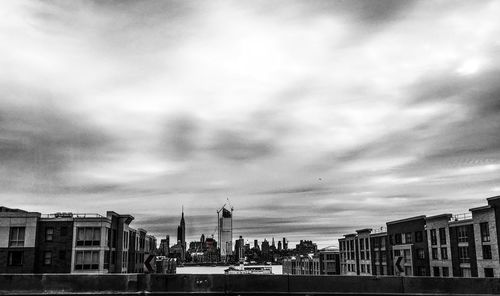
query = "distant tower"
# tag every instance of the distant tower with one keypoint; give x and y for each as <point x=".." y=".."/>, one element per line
<point x="181" y="235"/>
<point x="225" y="232"/>
<point x="279" y="246"/>
<point x="272" y="244"/>
<point x="285" y="244"/>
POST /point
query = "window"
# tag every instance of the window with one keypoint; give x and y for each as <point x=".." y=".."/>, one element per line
<point x="408" y="271"/>
<point x="420" y="253"/>
<point x="465" y="272"/>
<point x="367" y="255"/>
<point x="361" y="244"/>
<point x="397" y="238"/>
<point x="368" y="268"/>
<point x="383" y="255"/>
<point x="444" y="253"/>
<point x="486" y="252"/>
<point x="15" y="258"/>
<point x="446" y="272"/>
<point x="124" y="259"/>
<point x="434" y="253"/>
<point x="47" y="258"/>
<point x="418" y="236"/>
<point x="49" y="234"/>
<point x="87" y="260"/>
<point x="106" y="259"/>
<point x="362" y="268"/>
<point x="433" y="237"/>
<point x="488" y="272"/>
<point x="462" y="234"/>
<point x="408" y="238"/>
<point x="421" y="271"/>
<point x="442" y="236"/>
<point x="463" y="255"/>
<point x="62" y="255"/>
<point x="382" y="242"/>
<point x="64" y="231"/>
<point x="363" y="255"/>
<point x="435" y="271"/>
<point x="16" y="236"/>
<point x="485" y="232"/>
<point x="125" y="239"/>
<point x="88" y="236"/>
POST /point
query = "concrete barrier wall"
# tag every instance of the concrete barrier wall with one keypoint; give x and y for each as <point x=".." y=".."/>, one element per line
<point x="219" y="284"/>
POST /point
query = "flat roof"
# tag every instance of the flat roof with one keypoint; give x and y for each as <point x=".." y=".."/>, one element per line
<point x="440" y="216"/>
<point x="480" y="208"/>
<point x="406" y="219"/>
<point x="378" y="234"/>
<point x="493" y="198"/>
<point x="364" y="230"/>
<point x="350" y="234"/>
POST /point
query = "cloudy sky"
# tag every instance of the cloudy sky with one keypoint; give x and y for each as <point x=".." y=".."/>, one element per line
<point x="315" y="118"/>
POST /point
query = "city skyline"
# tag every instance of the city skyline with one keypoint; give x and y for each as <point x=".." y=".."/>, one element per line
<point x="314" y="118"/>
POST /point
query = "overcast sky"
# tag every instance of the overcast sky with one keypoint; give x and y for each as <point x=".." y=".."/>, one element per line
<point x="315" y="118"/>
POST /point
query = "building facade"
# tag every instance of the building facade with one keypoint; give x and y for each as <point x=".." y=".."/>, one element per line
<point x="226" y="234"/>
<point x="445" y="245"/>
<point x="69" y="243"/>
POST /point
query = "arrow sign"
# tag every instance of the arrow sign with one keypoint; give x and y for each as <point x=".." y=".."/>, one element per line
<point x="147" y="263"/>
<point x="398" y="264"/>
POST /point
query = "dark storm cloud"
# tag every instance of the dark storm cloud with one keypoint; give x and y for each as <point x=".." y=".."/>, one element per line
<point x="41" y="141"/>
<point x="181" y="137"/>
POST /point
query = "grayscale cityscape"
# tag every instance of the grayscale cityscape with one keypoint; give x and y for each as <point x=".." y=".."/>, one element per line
<point x="187" y="147"/>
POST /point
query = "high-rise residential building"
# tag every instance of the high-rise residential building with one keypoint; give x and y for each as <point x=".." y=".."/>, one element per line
<point x="285" y="244"/>
<point x="226" y="234"/>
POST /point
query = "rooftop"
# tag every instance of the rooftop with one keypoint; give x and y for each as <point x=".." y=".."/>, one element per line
<point x="406" y="219"/>
<point x="438" y="217"/>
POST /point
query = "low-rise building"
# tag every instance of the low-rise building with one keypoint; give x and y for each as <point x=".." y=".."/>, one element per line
<point x="68" y="243"/>
<point x="329" y="261"/>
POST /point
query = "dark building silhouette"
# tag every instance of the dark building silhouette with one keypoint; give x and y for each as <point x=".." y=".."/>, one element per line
<point x="181" y="235"/>
<point x="306" y="247"/>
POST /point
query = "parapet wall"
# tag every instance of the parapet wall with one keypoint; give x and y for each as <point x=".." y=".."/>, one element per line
<point x="219" y="284"/>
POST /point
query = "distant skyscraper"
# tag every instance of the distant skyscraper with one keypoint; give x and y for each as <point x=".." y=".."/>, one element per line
<point x="285" y="244"/>
<point x="265" y="249"/>
<point x="181" y="235"/>
<point x="239" y="249"/>
<point x="279" y="245"/>
<point x="165" y="246"/>
<point x="272" y="244"/>
<point x="226" y="233"/>
<point x="256" y="244"/>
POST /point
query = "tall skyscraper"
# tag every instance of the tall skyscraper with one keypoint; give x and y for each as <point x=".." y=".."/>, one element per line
<point x="181" y="235"/>
<point x="226" y="233"/>
<point x="285" y="244"/>
<point x="279" y="246"/>
<point x="256" y="244"/>
<point x="239" y="249"/>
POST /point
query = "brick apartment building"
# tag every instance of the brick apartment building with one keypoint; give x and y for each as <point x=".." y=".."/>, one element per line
<point x="71" y="243"/>
<point x="445" y="245"/>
